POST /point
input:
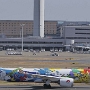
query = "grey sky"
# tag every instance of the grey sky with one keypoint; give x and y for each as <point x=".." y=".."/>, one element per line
<point x="71" y="10"/>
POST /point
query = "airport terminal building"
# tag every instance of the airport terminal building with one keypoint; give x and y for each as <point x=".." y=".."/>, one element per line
<point x="57" y="34"/>
<point x="12" y="28"/>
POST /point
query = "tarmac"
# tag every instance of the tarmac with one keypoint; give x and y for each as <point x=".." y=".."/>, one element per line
<point x="39" y="87"/>
<point x="47" y="57"/>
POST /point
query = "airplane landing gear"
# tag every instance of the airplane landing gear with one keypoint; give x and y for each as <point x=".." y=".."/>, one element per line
<point x="47" y="86"/>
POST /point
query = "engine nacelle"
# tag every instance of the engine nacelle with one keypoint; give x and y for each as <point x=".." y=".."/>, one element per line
<point x="66" y="82"/>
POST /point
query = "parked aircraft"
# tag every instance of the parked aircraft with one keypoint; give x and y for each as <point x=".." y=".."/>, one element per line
<point x="63" y="77"/>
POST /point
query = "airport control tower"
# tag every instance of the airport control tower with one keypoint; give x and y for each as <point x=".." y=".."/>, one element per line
<point x="38" y="28"/>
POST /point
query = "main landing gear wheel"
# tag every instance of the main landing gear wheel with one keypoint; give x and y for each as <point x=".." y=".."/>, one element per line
<point x="47" y="86"/>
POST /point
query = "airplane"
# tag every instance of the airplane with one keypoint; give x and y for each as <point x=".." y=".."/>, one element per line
<point x="63" y="77"/>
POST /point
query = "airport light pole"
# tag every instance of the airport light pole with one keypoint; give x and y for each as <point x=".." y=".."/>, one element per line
<point x="22" y="35"/>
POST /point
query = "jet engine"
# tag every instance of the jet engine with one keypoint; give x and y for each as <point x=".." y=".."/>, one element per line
<point x="66" y="82"/>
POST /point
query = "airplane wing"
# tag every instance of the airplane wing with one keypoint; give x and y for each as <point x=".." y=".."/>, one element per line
<point x="63" y="81"/>
<point x="48" y="77"/>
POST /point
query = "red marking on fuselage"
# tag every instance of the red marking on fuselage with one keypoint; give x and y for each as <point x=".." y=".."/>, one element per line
<point x="68" y="81"/>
